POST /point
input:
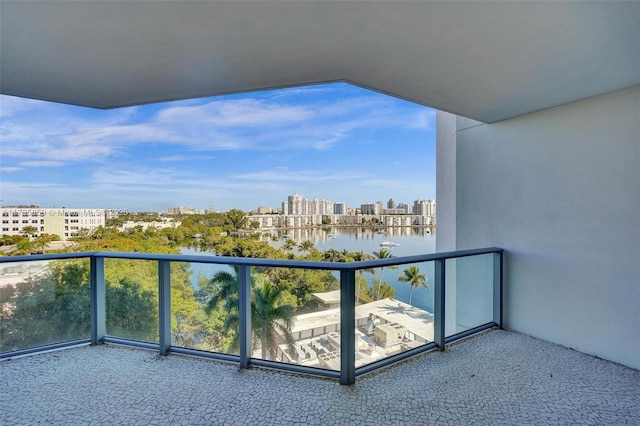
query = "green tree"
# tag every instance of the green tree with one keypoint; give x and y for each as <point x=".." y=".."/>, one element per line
<point x="361" y="282"/>
<point x="271" y="318"/>
<point x="49" y="309"/>
<point x="382" y="290"/>
<point x="235" y="220"/>
<point x="305" y="246"/>
<point x="131" y="311"/>
<point x="415" y="278"/>
<point x="24" y="246"/>
<point x="271" y="315"/>
<point x="222" y="287"/>
<point x="383" y="253"/>
<point x="332" y="255"/>
<point x="27" y="231"/>
<point x="289" y="245"/>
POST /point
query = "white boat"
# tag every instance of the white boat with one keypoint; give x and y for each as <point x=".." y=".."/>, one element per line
<point x="333" y="235"/>
<point x="388" y="244"/>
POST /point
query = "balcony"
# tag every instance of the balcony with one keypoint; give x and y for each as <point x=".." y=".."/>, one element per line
<point x="499" y="377"/>
<point x="111" y="371"/>
<point x="53" y="301"/>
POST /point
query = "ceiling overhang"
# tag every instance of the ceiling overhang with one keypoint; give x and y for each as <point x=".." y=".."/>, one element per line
<point x="484" y="60"/>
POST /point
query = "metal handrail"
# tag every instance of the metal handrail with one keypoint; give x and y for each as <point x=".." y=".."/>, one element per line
<point x="348" y="371"/>
<point x="285" y="263"/>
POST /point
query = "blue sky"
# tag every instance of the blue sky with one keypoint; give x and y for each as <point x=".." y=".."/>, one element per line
<point x="333" y="141"/>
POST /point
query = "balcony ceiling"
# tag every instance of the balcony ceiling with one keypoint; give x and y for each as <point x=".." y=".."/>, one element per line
<point x="483" y="60"/>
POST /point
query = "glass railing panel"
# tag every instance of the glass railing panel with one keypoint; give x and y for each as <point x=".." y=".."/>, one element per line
<point x="394" y="311"/>
<point x="131" y="298"/>
<point x="468" y="292"/>
<point x="43" y="302"/>
<point x="296" y="316"/>
<point x="204" y="307"/>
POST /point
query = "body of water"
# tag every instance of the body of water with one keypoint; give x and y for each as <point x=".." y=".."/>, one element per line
<point x="410" y="241"/>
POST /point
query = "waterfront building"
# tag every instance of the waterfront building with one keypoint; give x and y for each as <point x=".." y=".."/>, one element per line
<point x="340" y="208"/>
<point x="266" y="221"/>
<point x="63" y="222"/>
<point x="379" y="207"/>
<point x="367" y="208"/>
<point x="298" y="205"/>
<point x="424" y="207"/>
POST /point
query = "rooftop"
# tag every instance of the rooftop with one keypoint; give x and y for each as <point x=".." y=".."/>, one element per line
<point x="499" y="377"/>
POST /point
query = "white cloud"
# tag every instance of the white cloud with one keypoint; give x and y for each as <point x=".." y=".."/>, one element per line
<point x="42" y="163"/>
<point x="10" y="169"/>
<point x="10" y="105"/>
<point x="179" y="158"/>
<point x="235" y="113"/>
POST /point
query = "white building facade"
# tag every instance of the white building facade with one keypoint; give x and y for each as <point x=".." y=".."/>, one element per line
<point x="63" y="222"/>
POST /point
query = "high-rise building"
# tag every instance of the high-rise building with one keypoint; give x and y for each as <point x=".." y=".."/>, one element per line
<point x="424" y="207"/>
<point x="391" y="204"/>
<point x="368" y="208"/>
<point x="298" y="205"/>
<point x="340" y="208"/>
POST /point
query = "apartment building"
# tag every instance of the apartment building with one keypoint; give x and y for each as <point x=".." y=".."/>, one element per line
<point x="340" y="208"/>
<point x="296" y="204"/>
<point x="424" y="207"/>
<point x="62" y="222"/>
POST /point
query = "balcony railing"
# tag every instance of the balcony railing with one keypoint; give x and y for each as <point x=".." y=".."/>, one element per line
<point x="342" y="340"/>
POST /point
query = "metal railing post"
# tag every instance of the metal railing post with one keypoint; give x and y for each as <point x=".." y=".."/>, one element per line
<point x="439" y="319"/>
<point x="164" y="305"/>
<point x="347" y="327"/>
<point x="498" y="288"/>
<point x="98" y="300"/>
<point x="244" y="290"/>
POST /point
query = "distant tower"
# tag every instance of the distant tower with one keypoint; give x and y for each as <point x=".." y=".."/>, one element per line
<point x="391" y="204"/>
<point x="340" y="208"/>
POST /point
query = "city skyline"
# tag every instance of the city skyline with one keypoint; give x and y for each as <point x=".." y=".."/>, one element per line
<point x="332" y="141"/>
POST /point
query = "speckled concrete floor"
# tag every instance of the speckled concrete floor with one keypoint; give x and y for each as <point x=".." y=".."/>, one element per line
<point x="497" y="378"/>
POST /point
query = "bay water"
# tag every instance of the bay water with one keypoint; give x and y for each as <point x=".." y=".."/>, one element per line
<point x="410" y="241"/>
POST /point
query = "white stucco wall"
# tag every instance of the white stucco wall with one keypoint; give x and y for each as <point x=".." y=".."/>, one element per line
<point x="559" y="189"/>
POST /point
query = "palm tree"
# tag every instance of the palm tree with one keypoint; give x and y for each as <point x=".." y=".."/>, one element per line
<point x="289" y="245"/>
<point x="415" y="278"/>
<point x="305" y="246"/>
<point x="270" y="317"/>
<point x="383" y="253"/>
<point x="332" y="255"/>
<point x="222" y="287"/>
<point x="27" y="231"/>
<point x="358" y="257"/>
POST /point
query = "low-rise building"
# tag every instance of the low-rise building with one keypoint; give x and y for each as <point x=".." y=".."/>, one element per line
<point x="63" y="222"/>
